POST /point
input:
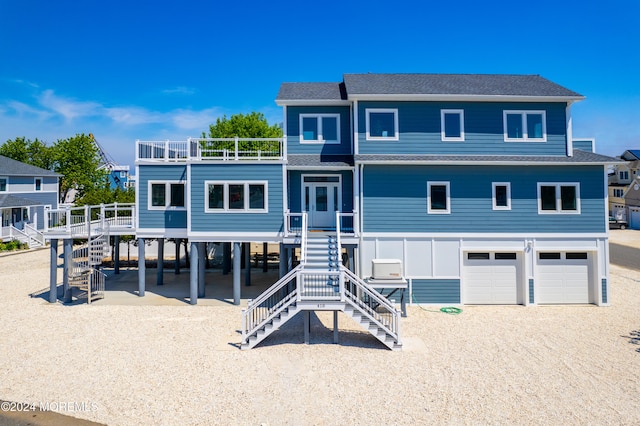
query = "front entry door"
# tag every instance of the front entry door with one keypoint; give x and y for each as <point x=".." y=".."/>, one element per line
<point x="322" y="200"/>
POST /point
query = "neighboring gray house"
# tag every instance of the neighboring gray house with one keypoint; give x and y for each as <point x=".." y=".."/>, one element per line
<point x="624" y="189"/>
<point x="25" y="191"/>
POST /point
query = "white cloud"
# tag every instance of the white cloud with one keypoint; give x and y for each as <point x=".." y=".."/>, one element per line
<point x="180" y="90"/>
<point x="68" y="108"/>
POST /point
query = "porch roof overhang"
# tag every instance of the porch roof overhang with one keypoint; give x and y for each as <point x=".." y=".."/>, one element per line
<point x="579" y="158"/>
<point x="9" y="201"/>
<point x="315" y="161"/>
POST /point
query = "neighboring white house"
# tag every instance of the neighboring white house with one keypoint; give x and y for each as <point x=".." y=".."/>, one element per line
<point x="624" y="189"/>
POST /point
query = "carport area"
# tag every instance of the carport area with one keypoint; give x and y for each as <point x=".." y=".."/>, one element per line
<point x="122" y="288"/>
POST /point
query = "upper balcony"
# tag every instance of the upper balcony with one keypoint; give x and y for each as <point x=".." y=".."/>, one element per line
<point x="205" y="149"/>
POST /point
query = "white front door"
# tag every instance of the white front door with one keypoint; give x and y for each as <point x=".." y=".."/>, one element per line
<point x="322" y="200"/>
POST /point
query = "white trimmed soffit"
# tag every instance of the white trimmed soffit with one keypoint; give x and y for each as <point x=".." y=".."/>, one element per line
<point x="462" y="98"/>
<point x="408" y="162"/>
<point x="312" y="102"/>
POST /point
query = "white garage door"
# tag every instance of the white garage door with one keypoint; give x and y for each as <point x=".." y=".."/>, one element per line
<point x="492" y="278"/>
<point x="634" y="218"/>
<point x="563" y="277"/>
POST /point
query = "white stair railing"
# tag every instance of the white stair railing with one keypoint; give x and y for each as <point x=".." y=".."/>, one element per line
<point x="269" y="304"/>
<point x="303" y="239"/>
<point x="372" y="304"/>
<point x="34" y="234"/>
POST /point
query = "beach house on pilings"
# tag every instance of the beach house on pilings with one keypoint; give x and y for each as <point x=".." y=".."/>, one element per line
<point x="470" y="182"/>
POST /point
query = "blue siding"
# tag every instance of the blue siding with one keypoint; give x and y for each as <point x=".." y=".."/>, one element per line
<point x="604" y="290"/>
<point x="531" y="291"/>
<point x="293" y="131"/>
<point x="295" y="188"/>
<point x="436" y="291"/>
<point x="420" y="132"/>
<point x="395" y="199"/>
<point x="240" y="222"/>
<point x="162" y="219"/>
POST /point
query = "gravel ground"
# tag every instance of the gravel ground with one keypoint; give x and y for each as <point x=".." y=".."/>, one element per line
<point x="141" y="365"/>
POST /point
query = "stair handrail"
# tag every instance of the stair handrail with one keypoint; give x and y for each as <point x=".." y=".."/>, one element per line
<point x="393" y="327"/>
<point x="303" y="239"/>
<point x="36" y="235"/>
<point x="252" y="305"/>
<point x="338" y="243"/>
<point x="20" y="233"/>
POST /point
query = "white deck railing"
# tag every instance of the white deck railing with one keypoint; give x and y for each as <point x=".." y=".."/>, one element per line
<point x="82" y="221"/>
<point x="211" y="149"/>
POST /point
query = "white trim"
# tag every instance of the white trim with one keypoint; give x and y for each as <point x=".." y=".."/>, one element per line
<point x="443" y="135"/>
<point x="304" y="184"/>
<point x="355" y="128"/>
<point x="430" y="210"/>
<point x="487" y="235"/>
<point x="319" y="118"/>
<point x="407" y="161"/>
<point x="467" y="98"/>
<point x="216" y="236"/>
<point x="187" y="194"/>
<point x="493" y="195"/>
<point x="523" y="117"/>
<point x="393" y="111"/>
<point x="569" y="131"/>
<point x="167" y="195"/>
<point x="559" y="209"/>
<point x="225" y="194"/>
<point x="161" y="233"/>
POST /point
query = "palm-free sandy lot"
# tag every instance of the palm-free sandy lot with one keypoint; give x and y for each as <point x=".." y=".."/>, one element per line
<point x="177" y="365"/>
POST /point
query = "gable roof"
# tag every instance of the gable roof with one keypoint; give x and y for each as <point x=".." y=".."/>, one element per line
<point x="8" y="200"/>
<point x="429" y="86"/>
<point x="11" y="167"/>
<point x="455" y="84"/>
<point x="631" y="155"/>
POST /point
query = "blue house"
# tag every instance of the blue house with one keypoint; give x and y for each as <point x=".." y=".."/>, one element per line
<point x="25" y="192"/>
<point x="468" y="188"/>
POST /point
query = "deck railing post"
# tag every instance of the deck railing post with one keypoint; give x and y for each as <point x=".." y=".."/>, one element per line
<point x="236" y="147"/>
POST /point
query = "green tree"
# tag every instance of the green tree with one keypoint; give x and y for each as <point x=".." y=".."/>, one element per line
<point x="35" y="152"/>
<point x="77" y="159"/>
<point x="252" y="125"/>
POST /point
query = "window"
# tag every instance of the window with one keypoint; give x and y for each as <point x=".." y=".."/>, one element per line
<point x="478" y="256"/>
<point x="38" y="184"/>
<point x="525" y="126"/>
<point x="505" y="256"/>
<point x="624" y="175"/>
<point x="164" y="195"/>
<point x="549" y="256"/>
<point x="452" y="124"/>
<point x="501" y="196"/>
<point x="381" y="124"/>
<point x="320" y="128"/>
<point x="236" y="197"/>
<point x="4" y="183"/>
<point x="617" y="192"/>
<point x="438" y="199"/>
<point x="575" y="256"/>
<point x="559" y="198"/>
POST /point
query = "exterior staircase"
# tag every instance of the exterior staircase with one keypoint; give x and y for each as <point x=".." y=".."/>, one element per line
<point x="84" y="272"/>
<point x="320" y="283"/>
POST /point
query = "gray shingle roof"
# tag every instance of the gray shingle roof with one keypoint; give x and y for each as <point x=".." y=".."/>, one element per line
<point x="454" y="84"/>
<point x="578" y="157"/>
<point x="312" y="91"/>
<point x="355" y="85"/>
<point x="7" y="200"/>
<point x="11" y="167"/>
<point x="315" y="160"/>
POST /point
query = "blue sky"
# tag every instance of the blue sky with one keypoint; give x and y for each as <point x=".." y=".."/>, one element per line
<point x="156" y="70"/>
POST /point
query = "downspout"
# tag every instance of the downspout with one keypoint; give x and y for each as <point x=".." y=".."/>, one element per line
<point x="569" y="130"/>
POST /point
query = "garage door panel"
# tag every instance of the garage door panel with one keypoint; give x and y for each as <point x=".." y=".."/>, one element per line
<point x="563" y="281"/>
<point x="491" y="281"/>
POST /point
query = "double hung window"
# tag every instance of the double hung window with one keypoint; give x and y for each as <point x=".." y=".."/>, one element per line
<point x="164" y="195"/>
<point x="320" y="128"/>
<point x="559" y="198"/>
<point x="525" y="126"/>
<point x="236" y="197"/>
